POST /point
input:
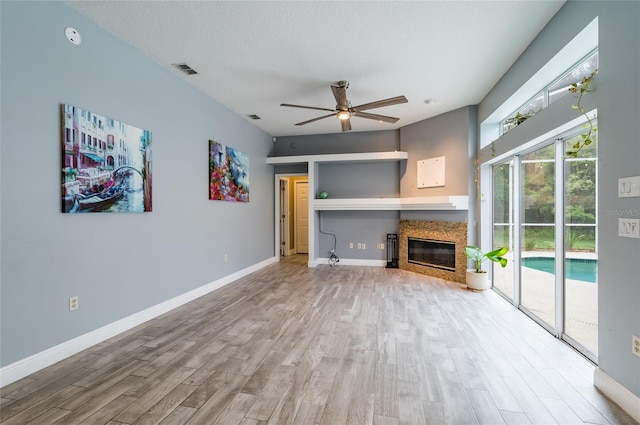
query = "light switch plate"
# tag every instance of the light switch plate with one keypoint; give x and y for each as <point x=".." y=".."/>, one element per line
<point x="628" y="187"/>
<point x="629" y="227"/>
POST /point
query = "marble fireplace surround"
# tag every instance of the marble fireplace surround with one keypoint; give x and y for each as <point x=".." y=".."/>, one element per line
<point x="439" y="231"/>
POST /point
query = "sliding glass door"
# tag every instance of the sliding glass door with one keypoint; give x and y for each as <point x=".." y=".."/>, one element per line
<point x="537" y="233"/>
<point x="544" y="210"/>
<point x="581" y="259"/>
<point x="502" y="176"/>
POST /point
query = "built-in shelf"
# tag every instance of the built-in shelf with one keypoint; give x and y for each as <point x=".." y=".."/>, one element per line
<point x="427" y="203"/>
<point x="339" y="157"/>
<point x="314" y="166"/>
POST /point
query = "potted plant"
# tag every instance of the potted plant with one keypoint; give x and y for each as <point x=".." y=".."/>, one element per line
<point x="579" y="89"/>
<point x="478" y="279"/>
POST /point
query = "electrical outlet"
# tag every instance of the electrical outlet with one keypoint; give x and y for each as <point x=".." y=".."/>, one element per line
<point x="364" y="246"/>
<point x="226" y="258"/>
<point x="635" y="348"/>
<point x="359" y="245"/>
<point x="351" y="245"/>
<point x="380" y="246"/>
<point x="73" y="303"/>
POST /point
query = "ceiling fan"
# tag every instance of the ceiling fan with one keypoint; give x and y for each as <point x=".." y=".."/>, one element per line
<point x="344" y="111"/>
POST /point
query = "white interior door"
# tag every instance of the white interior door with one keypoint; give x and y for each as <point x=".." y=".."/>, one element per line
<point x="302" y="216"/>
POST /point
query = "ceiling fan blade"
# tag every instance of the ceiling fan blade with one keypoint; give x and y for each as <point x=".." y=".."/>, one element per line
<point x="346" y="124"/>
<point x="340" y="93"/>
<point x="315" y="119"/>
<point x="306" y="107"/>
<point x="380" y="103"/>
<point x="376" y="117"/>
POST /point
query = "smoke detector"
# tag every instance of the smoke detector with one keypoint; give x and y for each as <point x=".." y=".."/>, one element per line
<point x="73" y="36"/>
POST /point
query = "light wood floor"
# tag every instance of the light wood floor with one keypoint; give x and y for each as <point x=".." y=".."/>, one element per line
<point x="342" y="345"/>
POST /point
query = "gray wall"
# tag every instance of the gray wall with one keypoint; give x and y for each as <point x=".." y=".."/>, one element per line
<point x="118" y="264"/>
<point x="447" y="135"/>
<point x="617" y="97"/>
<point x="359" y="180"/>
<point x="348" y="142"/>
<point x="444" y="135"/>
<point x="368" y="227"/>
<point x="291" y="169"/>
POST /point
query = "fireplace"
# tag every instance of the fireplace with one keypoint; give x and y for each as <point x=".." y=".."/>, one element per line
<point x="434" y="248"/>
<point x="438" y="254"/>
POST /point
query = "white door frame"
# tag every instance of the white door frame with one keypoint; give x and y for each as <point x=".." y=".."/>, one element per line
<point x="277" y="240"/>
<point x="284" y="217"/>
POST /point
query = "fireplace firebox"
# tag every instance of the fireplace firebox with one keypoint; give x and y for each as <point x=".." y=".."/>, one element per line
<point x="453" y="233"/>
<point x="432" y="253"/>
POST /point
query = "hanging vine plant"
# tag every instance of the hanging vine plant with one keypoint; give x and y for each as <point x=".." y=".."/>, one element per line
<point x="586" y="138"/>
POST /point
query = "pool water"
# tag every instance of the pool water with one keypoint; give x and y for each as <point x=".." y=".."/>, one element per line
<point x="575" y="268"/>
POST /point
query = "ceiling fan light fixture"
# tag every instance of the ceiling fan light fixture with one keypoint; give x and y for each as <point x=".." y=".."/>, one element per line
<point x="343" y="115"/>
<point x="343" y="109"/>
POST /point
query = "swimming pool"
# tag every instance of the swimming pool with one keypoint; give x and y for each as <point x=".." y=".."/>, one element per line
<point x="575" y="268"/>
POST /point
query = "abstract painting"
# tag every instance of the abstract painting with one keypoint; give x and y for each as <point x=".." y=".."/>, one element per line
<point x="228" y="173"/>
<point x="106" y="164"/>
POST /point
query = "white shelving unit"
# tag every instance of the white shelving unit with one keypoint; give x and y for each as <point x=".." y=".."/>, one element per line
<point x="427" y="203"/>
<point x="340" y="157"/>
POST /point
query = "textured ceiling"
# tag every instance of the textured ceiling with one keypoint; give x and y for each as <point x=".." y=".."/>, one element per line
<point x="253" y="56"/>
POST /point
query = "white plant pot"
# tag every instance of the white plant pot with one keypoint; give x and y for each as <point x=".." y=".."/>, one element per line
<point x="477" y="281"/>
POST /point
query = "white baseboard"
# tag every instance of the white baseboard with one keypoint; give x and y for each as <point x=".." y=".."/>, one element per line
<point x="624" y="398"/>
<point x="353" y="262"/>
<point x="34" y="363"/>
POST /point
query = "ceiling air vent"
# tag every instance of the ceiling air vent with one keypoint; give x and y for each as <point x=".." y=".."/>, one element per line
<point x="185" y="68"/>
<point x="254" y="117"/>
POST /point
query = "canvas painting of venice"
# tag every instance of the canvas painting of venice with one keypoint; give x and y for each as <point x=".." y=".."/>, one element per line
<point x="228" y="173"/>
<point x="106" y="164"/>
